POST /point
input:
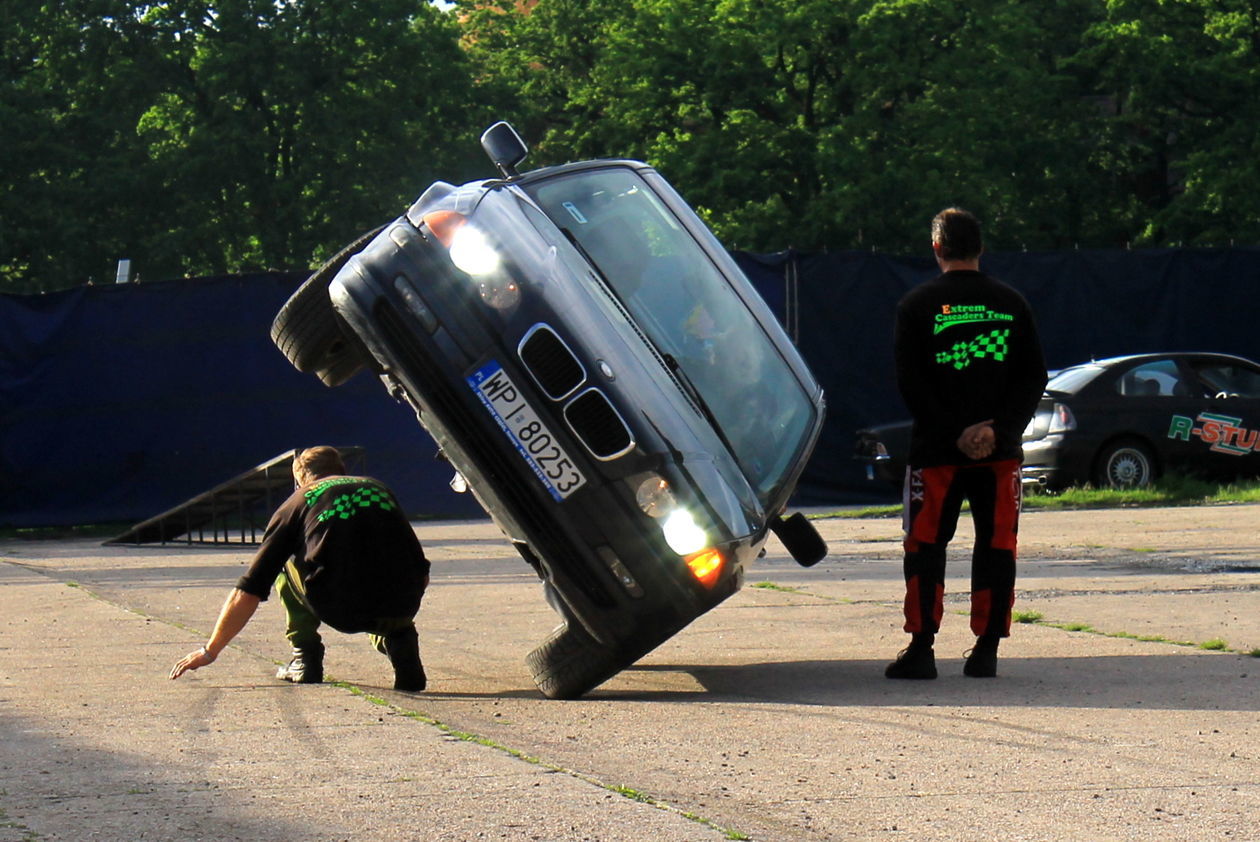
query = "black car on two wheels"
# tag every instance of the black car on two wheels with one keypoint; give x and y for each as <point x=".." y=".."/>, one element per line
<point x="600" y="374"/>
<point x="1123" y="422"/>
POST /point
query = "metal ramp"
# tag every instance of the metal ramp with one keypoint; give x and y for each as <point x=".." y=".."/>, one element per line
<point x="235" y="512"/>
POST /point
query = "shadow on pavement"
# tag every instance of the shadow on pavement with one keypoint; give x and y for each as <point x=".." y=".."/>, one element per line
<point x="1197" y="681"/>
<point x="69" y="789"/>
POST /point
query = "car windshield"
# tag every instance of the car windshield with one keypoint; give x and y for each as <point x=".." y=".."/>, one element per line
<point x="689" y="311"/>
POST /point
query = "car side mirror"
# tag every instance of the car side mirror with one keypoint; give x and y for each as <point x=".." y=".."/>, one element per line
<point x="801" y="539"/>
<point x="505" y="148"/>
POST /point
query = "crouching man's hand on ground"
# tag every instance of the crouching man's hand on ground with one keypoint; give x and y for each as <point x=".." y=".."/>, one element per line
<point x="236" y="611"/>
<point x="192" y="661"/>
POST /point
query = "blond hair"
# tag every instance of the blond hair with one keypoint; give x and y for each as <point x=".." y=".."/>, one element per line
<point x="316" y="462"/>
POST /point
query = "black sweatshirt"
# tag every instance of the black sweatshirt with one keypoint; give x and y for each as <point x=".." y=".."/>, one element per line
<point x="966" y="350"/>
<point x="358" y="556"/>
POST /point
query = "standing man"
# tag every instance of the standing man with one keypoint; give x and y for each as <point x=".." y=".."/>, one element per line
<point x="340" y="551"/>
<point x="971" y="371"/>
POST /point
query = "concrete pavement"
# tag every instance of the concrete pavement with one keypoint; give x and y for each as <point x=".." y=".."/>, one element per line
<point x="766" y="719"/>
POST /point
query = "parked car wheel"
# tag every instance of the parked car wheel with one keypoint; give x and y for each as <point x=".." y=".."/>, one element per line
<point x="1127" y="463"/>
<point x="308" y="331"/>
<point x="569" y="662"/>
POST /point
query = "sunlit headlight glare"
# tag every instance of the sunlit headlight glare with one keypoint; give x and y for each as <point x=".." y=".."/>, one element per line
<point x="472" y="252"/>
<point x="654" y="497"/>
<point x="683" y="534"/>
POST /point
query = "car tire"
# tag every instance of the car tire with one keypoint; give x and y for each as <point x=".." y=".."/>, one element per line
<point x="308" y="331"/>
<point x="570" y="662"/>
<point x="1126" y="463"/>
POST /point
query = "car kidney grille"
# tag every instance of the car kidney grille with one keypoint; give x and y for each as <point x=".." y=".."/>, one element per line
<point x="598" y="425"/>
<point x="551" y="363"/>
<point x="454" y="409"/>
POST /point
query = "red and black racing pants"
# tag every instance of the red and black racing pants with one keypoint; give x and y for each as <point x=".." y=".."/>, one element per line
<point x="933" y="498"/>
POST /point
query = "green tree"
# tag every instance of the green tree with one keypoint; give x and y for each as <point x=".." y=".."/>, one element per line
<point x="208" y="137"/>
<point x="290" y="127"/>
<point x="1184" y="83"/>
<point x="74" y="78"/>
<point x="200" y="137"/>
<point x="983" y="105"/>
<point x="823" y="123"/>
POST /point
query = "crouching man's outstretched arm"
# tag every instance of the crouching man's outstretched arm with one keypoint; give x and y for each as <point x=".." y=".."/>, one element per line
<point x="236" y="612"/>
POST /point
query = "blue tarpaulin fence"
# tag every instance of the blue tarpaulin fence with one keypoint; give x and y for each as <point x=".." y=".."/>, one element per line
<point x="121" y="401"/>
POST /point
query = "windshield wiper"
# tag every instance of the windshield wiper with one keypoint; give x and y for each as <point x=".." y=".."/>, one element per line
<point x="692" y="392"/>
<point x="671" y="363"/>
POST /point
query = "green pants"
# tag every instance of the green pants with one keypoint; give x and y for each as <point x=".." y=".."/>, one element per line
<point x="302" y="623"/>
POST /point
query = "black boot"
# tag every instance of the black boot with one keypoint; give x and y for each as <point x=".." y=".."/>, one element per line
<point x="306" y="667"/>
<point x="918" y="660"/>
<point x="982" y="659"/>
<point x="403" y="649"/>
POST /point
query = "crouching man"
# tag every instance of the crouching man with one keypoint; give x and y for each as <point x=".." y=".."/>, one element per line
<point x="340" y="551"/>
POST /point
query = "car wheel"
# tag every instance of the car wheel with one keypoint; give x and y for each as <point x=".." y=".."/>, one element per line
<point x="570" y="662"/>
<point x="1125" y="464"/>
<point x="307" y="329"/>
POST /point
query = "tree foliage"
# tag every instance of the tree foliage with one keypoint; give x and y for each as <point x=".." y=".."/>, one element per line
<point x="208" y="137"/>
<point x="200" y="137"/>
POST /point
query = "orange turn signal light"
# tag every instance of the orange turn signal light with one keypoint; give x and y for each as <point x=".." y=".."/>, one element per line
<point x="443" y="224"/>
<point x="706" y="565"/>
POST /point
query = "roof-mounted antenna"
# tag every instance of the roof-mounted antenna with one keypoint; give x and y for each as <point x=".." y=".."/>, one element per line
<point x="505" y="148"/>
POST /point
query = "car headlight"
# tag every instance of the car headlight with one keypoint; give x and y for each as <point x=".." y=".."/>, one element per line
<point x="500" y="293"/>
<point x="654" y="496"/>
<point x="472" y="252"/>
<point x="683" y="534"/>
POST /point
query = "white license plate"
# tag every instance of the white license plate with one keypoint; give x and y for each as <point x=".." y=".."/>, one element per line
<point x="532" y="438"/>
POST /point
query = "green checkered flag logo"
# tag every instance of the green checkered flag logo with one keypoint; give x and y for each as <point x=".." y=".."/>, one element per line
<point x="347" y="506"/>
<point x="991" y="345"/>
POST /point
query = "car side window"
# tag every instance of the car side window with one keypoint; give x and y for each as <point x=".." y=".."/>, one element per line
<point x="1230" y="381"/>
<point x="1157" y="379"/>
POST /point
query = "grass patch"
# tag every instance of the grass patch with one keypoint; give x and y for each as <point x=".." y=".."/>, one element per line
<point x="1169" y="490"/>
<point x="632" y="794"/>
<point x="1213" y="645"/>
<point x="1147" y="638"/>
<point x="29" y="835"/>
<point x="465" y="736"/>
<point x="881" y="510"/>
<point x="771" y="586"/>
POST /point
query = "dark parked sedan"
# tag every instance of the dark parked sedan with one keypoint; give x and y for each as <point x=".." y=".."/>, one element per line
<point x="602" y="376"/>
<point x="1124" y="421"/>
